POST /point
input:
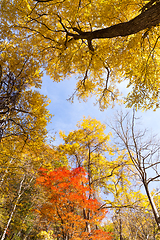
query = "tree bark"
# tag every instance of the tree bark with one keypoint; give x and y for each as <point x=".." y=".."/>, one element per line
<point x="153" y="206"/>
<point x="145" y="20"/>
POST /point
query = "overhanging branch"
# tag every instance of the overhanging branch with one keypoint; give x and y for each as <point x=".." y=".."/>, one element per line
<point x="146" y="19"/>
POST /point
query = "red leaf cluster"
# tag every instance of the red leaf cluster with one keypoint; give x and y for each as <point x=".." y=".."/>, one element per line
<point x="70" y="205"/>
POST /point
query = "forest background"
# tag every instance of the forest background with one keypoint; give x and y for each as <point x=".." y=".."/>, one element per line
<point x="119" y="174"/>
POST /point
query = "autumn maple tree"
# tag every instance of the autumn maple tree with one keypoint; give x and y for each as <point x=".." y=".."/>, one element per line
<point x="69" y="207"/>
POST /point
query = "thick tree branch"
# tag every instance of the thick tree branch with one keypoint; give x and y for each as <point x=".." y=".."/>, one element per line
<point x="146" y="19"/>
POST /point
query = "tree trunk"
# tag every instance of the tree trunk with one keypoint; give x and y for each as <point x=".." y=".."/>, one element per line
<point x="153" y="206"/>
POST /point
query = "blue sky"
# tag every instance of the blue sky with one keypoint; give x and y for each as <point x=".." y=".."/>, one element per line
<point x="66" y="114"/>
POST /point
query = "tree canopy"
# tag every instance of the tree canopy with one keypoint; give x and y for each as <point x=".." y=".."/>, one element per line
<point x="103" y="42"/>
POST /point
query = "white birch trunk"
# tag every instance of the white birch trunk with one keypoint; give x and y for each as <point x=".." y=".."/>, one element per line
<point x="14" y="208"/>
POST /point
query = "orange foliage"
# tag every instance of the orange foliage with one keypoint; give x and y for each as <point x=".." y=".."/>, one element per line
<point x="70" y="205"/>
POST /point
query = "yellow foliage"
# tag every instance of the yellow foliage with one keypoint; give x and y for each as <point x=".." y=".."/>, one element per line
<point x="45" y="33"/>
<point x="43" y="235"/>
<point x="89" y="146"/>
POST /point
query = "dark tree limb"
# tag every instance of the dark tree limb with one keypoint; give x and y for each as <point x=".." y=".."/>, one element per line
<point x="146" y="19"/>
